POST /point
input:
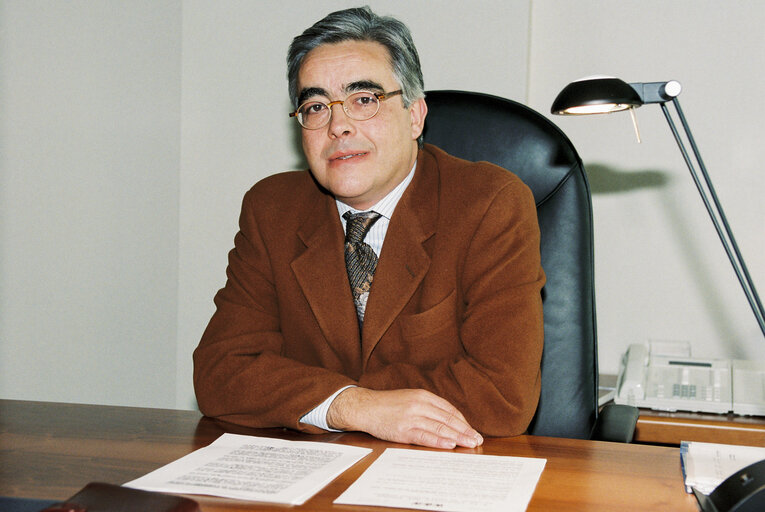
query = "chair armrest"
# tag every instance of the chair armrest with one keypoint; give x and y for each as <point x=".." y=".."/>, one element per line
<point x="615" y="423"/>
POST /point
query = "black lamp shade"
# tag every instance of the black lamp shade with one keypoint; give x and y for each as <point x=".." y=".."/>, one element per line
<point x="595" y="96"/>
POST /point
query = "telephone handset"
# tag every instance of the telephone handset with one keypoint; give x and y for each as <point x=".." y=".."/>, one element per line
<point x="631" y="382"/>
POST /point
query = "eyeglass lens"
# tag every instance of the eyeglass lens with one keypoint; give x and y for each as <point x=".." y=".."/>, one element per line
<point x="359" y="106"/>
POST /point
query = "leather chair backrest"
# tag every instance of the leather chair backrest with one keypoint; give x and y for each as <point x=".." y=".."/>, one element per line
<point x="478" y="127"/>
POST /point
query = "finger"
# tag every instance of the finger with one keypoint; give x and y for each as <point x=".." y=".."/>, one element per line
<point x="469" y="438"/>
<point x="442" y="435"/>
<point x="452" y="425"/>
<point x="436" y="408"/>
<point x="430" y="439"/>
<point x="466" y="435"/>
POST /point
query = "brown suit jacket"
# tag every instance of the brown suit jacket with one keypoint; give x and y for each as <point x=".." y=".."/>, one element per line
<point x="455" y="306"/>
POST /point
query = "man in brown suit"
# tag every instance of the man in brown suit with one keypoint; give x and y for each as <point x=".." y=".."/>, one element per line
<point x="438" y="339"/>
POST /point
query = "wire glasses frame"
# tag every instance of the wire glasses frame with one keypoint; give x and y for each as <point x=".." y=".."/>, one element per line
<point x="359" y="106"/>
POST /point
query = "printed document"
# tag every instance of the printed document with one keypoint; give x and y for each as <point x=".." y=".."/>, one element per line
<point x="254" y="468"/>
<point x="707" y="465"/>
<point x="446" y="481"/>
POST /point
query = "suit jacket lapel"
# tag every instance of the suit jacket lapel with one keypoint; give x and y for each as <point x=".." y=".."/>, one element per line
<point x="320" y="271"/>
<point x="404" y="262"/>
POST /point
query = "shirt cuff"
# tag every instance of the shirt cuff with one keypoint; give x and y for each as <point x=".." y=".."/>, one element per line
<point x="318" y="416"/>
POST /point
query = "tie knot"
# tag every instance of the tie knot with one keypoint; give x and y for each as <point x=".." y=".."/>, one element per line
<point x="357" y="225"/>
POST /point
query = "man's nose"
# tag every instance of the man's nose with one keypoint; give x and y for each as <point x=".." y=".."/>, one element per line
<point x="339" y="122"/>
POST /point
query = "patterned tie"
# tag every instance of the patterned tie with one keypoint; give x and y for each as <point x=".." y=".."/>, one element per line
<point x="360" y="259"/>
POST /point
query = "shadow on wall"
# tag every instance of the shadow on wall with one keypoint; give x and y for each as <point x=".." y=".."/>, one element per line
<point x="607" y="180"/>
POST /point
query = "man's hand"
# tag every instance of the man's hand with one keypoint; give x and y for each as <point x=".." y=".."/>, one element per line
<point x="411" y="416"/>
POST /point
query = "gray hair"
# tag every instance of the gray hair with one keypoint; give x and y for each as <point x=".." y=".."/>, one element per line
<point x="361" y="24"/>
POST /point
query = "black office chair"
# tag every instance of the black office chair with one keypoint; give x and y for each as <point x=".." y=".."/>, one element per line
<point x="478" y="127"/>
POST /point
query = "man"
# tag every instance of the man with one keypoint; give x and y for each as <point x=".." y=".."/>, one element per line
<point x="392" y="289"/>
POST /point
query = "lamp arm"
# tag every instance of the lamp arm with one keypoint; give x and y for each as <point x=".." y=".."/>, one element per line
<point x="716" y="210"/>
<point x="656" y="92"/>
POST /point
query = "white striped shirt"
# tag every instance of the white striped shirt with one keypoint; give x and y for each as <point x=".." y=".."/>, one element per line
<point x="376" y="234"/>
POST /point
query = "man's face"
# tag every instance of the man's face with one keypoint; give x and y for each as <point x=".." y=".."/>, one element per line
<point x="359" y="162"/>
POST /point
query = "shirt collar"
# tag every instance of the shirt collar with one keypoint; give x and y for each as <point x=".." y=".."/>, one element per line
<point x="387" y="204"/>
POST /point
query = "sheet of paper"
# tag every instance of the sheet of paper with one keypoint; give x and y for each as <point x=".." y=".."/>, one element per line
<point x="707" y="465"/>
<point x="446" y="481"/>
<point x="254" y="468"/>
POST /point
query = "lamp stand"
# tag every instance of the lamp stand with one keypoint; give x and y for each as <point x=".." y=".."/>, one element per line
<point x="715" y="210"/>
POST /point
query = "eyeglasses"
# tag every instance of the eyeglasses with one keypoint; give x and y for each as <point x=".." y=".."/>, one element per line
<point x="359" y="106"/>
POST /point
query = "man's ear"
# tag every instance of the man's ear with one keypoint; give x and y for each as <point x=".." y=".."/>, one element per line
<point x="418" y="110"/>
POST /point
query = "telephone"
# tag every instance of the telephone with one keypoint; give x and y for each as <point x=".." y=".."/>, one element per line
<point x="664" y="377"/>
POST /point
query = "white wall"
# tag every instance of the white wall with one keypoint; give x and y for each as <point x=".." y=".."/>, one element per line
<point x="129" y="132"/>
<point x="89" y="167"/>
<point x="661" y="272"/>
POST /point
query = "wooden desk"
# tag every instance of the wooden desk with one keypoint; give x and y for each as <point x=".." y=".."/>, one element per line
<point x="658" y="427"/>
<point x="51" y="450"/>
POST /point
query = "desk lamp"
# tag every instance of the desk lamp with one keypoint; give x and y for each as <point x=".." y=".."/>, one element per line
<point x="603" y="95"/>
